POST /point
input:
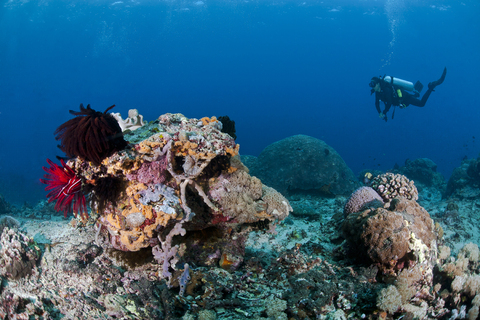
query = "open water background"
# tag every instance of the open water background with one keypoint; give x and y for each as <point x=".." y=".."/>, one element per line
<point x="277" y="68"/>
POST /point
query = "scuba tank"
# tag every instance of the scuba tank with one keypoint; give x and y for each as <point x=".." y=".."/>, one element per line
<point x="404" y="84"/>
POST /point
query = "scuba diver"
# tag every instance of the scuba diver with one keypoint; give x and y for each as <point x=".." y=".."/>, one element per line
<point x="394" y="91"/>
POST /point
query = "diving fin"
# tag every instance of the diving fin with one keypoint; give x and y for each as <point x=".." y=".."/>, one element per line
<point x="433" y="84"/>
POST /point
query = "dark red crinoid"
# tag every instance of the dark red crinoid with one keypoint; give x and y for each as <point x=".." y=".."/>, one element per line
<point x="91" y="135"/>
<point x="65" y="188"/>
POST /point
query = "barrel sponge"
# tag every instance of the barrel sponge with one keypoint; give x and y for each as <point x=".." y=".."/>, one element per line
<point x="360" y="199"/>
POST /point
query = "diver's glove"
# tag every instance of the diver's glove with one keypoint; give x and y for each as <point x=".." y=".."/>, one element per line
<point x="381" y="115"/>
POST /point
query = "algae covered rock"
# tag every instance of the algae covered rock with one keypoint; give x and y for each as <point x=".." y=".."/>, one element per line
<point x="423" y="170"/>
<point x="304" y="164"/>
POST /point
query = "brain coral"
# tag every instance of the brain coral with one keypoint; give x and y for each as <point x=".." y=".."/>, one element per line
<point x="361" y="199"/>
<point x="303" y="163"/>
<point x="390" y="185"/>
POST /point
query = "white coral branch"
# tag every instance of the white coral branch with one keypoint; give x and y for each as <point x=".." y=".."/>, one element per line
<point x="133" y="122"/>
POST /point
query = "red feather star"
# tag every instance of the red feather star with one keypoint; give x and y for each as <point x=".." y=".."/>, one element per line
<point x="65" y="188"/>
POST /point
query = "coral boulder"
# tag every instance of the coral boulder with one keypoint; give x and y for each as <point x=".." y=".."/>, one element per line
<point x="396" y="237"/>
<point x="184" y="178"/>
<point x="304" y="164"/>
<point x="464" y="183"/>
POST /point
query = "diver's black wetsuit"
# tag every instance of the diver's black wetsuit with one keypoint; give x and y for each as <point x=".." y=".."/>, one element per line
<point x="390" y="97"/>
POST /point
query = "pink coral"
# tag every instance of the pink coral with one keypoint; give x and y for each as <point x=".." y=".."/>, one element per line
<point x="151" y="172"/>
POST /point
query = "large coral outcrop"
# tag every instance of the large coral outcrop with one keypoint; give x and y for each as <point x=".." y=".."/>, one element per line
<point x="304" y="164"/>
<point x="186" y="176"/>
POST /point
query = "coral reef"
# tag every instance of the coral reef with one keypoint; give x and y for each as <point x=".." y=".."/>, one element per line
<point x="179" y="228"/>
<point x="132" y="122"/>
<point x="390" y="186"/>
<point x="362" y="198"/>
<point x="298" y="269"/>
<point x="91" y="135"/>
<point x="304" y="164"/>
<point x="184" y="177"/>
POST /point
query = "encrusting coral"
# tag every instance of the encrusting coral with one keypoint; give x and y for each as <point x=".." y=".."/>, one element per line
<point x="399" y="238"/>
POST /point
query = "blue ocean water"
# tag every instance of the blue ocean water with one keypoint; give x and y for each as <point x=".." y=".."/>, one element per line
<point x="277" y="68"/>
